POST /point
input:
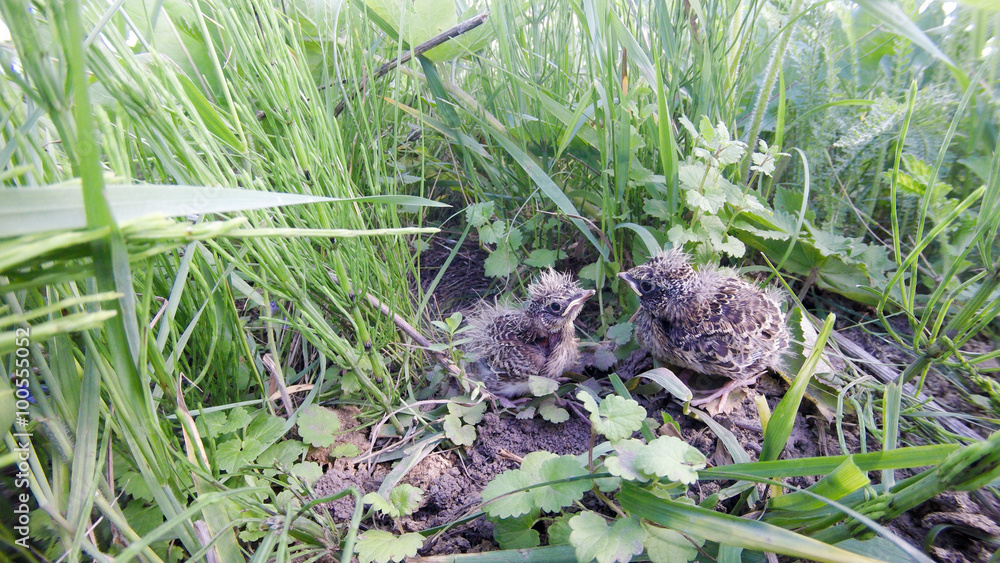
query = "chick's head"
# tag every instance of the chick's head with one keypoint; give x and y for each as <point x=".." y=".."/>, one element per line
<point x="667" y="285"/>
<point x="554" y="301"/>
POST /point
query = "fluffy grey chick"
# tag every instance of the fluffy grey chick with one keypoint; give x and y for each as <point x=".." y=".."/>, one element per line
<point x="706" y="321"/>
<point x="511" y="344"/>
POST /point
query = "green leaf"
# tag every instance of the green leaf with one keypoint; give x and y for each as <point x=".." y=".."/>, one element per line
<point x="478" y="214"/>
<point x="471" y="414"/>
<point x="616" y="417"/>
<point x="345" y="450"/>
<point x="405" y="499"/>
<point x="282" y="453"/>
<point x="219" y="423"/>
<point x="230" y="456"/>
<point x="551" y="412"/>
<point x="541" y="386"/>
<point x="623" y="465"/>
<point x="381" y="547"/>
<point x="493" y="233"/>
<point x="667" y="546"/>
<point x="512" y="505"/>
<point x="593" y="539"/>
<point x="543" y="258"/>
<point x="308" y="471"/>
<point x="501" y="262"/>
<point x="670" y="457"/>
<point x="554" y="497"/>
<point x="620" y="333"/>
<point x="141" y="518"/>
<point x="559" y="530"/>
<point x="711" y="201"/>
<point x="517" y="533"/>
<point x="318" y="426"/>
<point x="460" y="434"/>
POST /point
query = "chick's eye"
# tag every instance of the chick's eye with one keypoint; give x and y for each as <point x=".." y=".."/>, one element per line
<point x="555" y="307"/>
<point x="645" y="286"/>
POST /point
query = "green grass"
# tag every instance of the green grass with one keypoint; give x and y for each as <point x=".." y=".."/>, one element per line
<point x="583" y="135"/>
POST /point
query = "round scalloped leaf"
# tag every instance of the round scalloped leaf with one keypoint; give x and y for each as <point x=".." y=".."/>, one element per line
<point x="512" y="505"/>
<point x="552" y="412"/>
<point x="554" y="497"/>
<point x="318" y="426"/>
<point x="667" y="546"/>
<point x="671" y="458"/>
<point x="381" y="547"/>
<point x="592" y="538"/>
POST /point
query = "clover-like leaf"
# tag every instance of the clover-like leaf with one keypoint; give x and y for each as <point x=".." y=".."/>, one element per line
<point x="616" y="417"/>
<point x="318" y="426"/>
<point x="219" y="423"/>
<point x="541" y="386"/>
<point x="551" y="412"/>
<point x="460" y="434"/>
<point x="667" y="546"/>
<point x="620" y="333"/>
<point x="517" y="533"/>
<point x="593" y="539"/>
<point x="381" y="547"/>
<point x="470" y="414"/>
<point x="672" y="458"/>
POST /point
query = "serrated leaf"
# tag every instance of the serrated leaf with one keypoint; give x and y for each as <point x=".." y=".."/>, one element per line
<point x="542" y="258"/>
<point x="501" y="262"/>
<point x="710" y="201"/>
<point x="133" y="483"/>
<point x="691" y="175"/>
<point x="604" y="358"/>
<point x="541" y="386"/>
<point x="517" y="533"/>
<point x="379" y="503"/>
<point x="589" y="272"/>
<point x="593" y="539"/>
<point x="471" y="414"/>
<point x="230" y="457"/>
<point x="620" y="333"/>
<point x="318" y="426"/>
<point x="381" y="547"/>
<point x="479" y="214"/>
<point x="671" y="458"/>
<point x="527" y="414"/>
<point x="494" y="233"/>
<point x="552" y="412"/>
<point x="616" y="417"/>
<point x="460" y="434"/>
<point x="668" y="546"/>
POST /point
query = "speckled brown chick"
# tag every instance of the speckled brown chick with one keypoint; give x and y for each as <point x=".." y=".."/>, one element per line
<point x="707" y="321"/>
<point x="508" y="345"/>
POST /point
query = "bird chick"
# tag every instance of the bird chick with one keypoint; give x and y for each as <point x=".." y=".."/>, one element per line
<point x="511" y="344"/>
<point x="706" y="321"/>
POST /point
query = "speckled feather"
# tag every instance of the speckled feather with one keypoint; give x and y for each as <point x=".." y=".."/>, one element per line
<point x="509" y="344"/>
<point x="706" y="321"/>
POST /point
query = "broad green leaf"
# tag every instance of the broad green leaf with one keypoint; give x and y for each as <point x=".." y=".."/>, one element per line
<point x="318" y="426"/>
<point x="620" y="334"/>
<point x="512" y="505"/>
<point x="669" y="546"/>
<point x="552" y="412"/>
<point x="554" y="497"/>
<point x="517" y="533"/>
<point x="308" y="471"/>
<point x="559" y="530"/>
<point x="381" y="547"/>
<point x="616" y="417"/>
<point x="710" y="201"/>
<point x="405" y="499"/>
<point x="670" y="457"/>
<point x="592" y="538"/>
<point x="623" y="464"/>
<point x="282" y="453"/>
<point x="478" y="214"/>
<point x="460" y="434"/>
<point x="501" y="262"/>
<point x="543" y="258"/>
<point x="345" y="450"/>
<point x="541" y="386"/>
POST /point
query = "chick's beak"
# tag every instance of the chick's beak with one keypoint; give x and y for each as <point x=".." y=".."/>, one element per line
<point x="577" y="302"/>
<point x="631" y="282"/>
